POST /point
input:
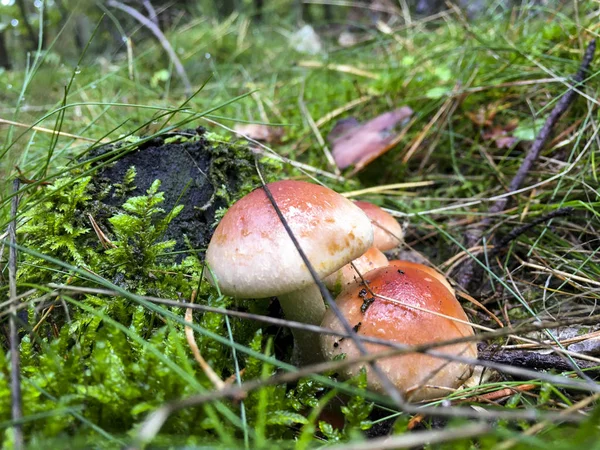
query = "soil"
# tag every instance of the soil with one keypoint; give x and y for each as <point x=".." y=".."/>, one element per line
<point x="189" y="171"/>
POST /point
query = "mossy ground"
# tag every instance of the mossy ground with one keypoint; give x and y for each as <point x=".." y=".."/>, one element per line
<point x="96" y="365"/>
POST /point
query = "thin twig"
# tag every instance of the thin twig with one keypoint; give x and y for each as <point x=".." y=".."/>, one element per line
<point x="154" y="421"/>
<point x="474" y="235"/>
<point x="488" y="335"/>
<point x="151" y="11"/>
<point x="516" y="232"/>
<point x="15" y="363"/>
<point x="388" y="386"/>
<point x="164" y="42"/>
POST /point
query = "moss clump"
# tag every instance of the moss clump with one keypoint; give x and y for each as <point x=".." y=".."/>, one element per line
<point x="96" y="365"/>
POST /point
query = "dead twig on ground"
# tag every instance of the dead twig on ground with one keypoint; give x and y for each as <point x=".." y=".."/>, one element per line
<point x="474" y="235"/>
<point x="534" y="360"/>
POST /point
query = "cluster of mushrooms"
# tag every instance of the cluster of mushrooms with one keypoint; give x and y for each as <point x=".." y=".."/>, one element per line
<point x="252" y="256"/>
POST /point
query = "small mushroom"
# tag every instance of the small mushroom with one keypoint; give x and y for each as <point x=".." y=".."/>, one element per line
<point x="417" y="376"/>
<point x="252" y="256"/>
<point x="387" y="232"/>
<point x="371" y="259"/>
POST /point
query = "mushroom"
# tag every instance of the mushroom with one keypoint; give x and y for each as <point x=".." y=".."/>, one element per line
<point x="251" y="255"/>
<point x="418" y="376"/>
<point x="387" y="232"/>
<point x="371" y="259"/>
<point x="401" y="264"/>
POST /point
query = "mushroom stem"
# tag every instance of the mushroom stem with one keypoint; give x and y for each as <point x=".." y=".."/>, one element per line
<point x="305" y="305"/>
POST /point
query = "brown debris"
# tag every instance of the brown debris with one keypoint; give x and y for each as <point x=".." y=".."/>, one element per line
<point x="359" y="144"/>
<point x="260" y="132"/>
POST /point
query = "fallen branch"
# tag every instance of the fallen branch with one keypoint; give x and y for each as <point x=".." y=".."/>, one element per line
<point x="474" y="235"/>
<point x="516" y="232"/>
<point x="534" y="360"/>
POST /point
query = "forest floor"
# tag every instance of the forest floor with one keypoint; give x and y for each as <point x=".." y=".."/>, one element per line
<point x="98" y="243"/>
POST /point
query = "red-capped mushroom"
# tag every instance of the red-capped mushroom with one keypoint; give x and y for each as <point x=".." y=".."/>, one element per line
<point x="251" y="255"/>
<point x="418" y="376"/>
<point x="401" y="264"/>
<point x="371" y="259"/>
<point x="387" y="232"/>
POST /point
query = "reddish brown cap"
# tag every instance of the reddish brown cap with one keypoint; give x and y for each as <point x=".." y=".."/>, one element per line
<point x="416" y="375"/>
<point x="387" y="232"/>
<point x="371" y="259"/>
<point x="251" y="254"/>
<point x="401" y="264"/>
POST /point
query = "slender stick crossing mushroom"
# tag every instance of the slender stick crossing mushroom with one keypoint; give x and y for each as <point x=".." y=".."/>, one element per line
<point x="251" y="255"/>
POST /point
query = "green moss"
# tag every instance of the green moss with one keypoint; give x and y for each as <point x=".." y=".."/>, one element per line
<point x="97" y="365"/>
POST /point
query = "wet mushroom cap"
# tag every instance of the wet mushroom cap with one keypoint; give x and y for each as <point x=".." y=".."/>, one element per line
<point x="387" y="232"/>
<point x="251" y="254"/>
<point x="401" y="264"/>
<point x="418" y="376"/>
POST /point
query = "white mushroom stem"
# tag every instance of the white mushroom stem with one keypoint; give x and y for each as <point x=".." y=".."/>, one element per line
<point x="307" y="306"/>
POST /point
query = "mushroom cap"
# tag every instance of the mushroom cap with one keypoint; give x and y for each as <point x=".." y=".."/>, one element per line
<point x="387" y="232"/>
<point x="251" y="254"/>
<point x="371" y="259"/>
<point x="418" y="376"/>
<point x="401" y="264"/>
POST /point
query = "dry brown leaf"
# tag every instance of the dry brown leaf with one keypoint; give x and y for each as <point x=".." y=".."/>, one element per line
<point x="502" y="135"/>
<point x="260" y="132"/>
<point x="358" y="144"/>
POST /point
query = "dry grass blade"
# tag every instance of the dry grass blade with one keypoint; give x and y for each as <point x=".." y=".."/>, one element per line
<point x="189" y="335"/>
<point x="339" y="68"/>
<point x="386" y="187"/>
<point x="399" y="348"/>
<point x="536" y="428"/>
<point x="48" y="130"/>
<point x="15" y="362"/>
<point x="104" y="240"/>
<point x="418" y="439"/>
<point x="317" y="133"/>
<point x="342" y="109"/>
<point x="267" y="152"/>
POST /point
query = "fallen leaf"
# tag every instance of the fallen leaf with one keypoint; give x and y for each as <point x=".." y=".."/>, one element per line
<point x="502" y="135"/>
<point x="260" y="132"/>
<point x="359" y="144"/>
